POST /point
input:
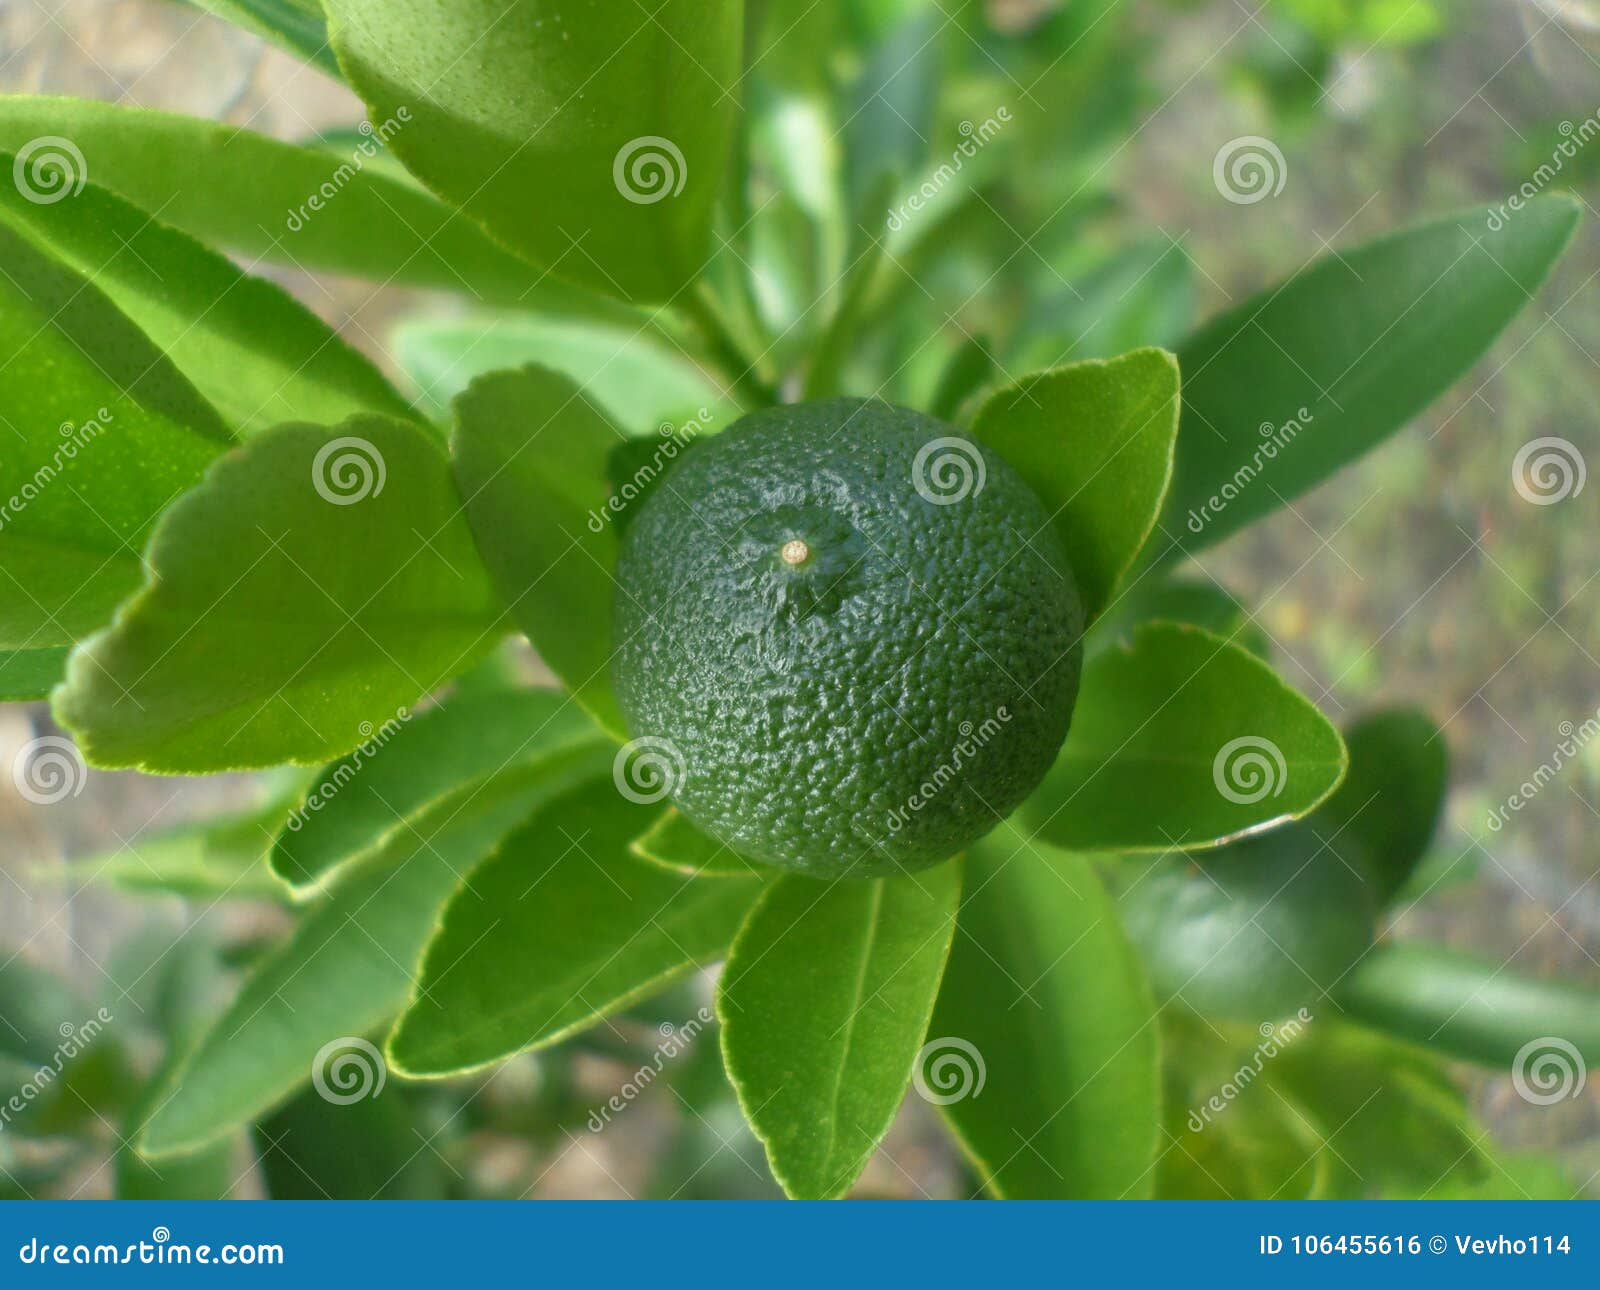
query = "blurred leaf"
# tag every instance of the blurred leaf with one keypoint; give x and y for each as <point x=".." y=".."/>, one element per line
<point x="889" y="117"/>
<point x="1182" y="740"/>
<point x="558" y="929"/>
<point x="824" y="1004"/>
<point x="635" y="379"/>
<point x="371" y="1149"/>
<point x="363" y="803"/>
<point x="314" y="584"/>
<point x="104" y="434"/>
<point x="1346" y="352"/>
<point x="30" y="674"/>
<point x="674" y="843"/>
<point x="531" y="463"/>
<point x="1095" y="442"/>
<point x="346" y="970"/>
<point x="279" y="202"/>
<point x="252" y="351"/>
<point x="968" y="370"/>
<point x="1477" y="1010"/>
<point x="1152" y="598"/>
<point x="1044" y="1060"/>
<point x="294" y="25"/>
<point x="557" y="91"/>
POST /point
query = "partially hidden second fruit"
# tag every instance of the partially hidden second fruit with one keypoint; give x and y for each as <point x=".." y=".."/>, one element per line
<point x="856" y="632"/>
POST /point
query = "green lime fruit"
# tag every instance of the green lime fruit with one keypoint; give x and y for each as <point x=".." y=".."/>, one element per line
<point x="849" y="634"/>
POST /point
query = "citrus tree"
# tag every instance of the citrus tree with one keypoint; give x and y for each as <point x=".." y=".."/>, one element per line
<point x="868" y="665"/>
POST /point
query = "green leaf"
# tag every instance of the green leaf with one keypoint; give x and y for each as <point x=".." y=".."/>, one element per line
<point x="673" y="843"/>
<point x="362" y="803"/>
<point x="1049" y="1070"/>
<point x="1289" y="386"/>
<point x="1152" y="598"/>
<point x="104" y="434"/>
<point x="218" y="857"/>
<point x="296" y="206"/>
<point x="968" y="369"/>
<point x="29" y="674"/>
<point x="530" y="454"/>
<point x="824" y="1004"/>
<point x="316" y="581"/>
<point x="252" y="351"/>
<point x="373" y="1149"/>
<point x="294" y="25"/>
<point x="1473" y="1009"/>
<point x="636" y="380"/>
<point x="1388" y="808"/>
<point x="1267" y="924"/>
<point x="504" y="94"/>
<point x="1095" y="441"/>
<point x="558" y="929"/>
<point x="1181" y="740"/>
<point x="346" y="970"/>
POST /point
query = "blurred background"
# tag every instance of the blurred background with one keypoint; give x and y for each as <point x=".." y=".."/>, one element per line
<point x="1420" y="575"/>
